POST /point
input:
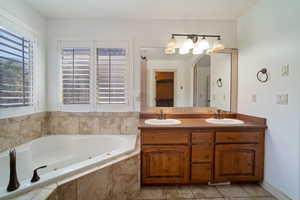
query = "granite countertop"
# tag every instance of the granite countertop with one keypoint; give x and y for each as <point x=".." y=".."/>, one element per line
<point x="200" y="123"/>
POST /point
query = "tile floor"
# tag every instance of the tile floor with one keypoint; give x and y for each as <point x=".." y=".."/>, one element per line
<point x="227" y="192"/>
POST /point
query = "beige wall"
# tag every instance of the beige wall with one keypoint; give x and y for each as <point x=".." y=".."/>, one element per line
<point x="18" y="130"/>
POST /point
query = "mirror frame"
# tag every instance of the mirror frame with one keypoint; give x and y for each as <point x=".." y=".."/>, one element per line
<point x="234" y="73"/>
<point x="234" y="77"/>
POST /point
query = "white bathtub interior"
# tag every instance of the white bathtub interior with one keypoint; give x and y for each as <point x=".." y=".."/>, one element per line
<point x="62" y="154"/>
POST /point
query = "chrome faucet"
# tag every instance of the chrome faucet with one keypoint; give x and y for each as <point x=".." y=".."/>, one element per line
<point x="219" y="114"/>
<point x="162" y="115"/>
<point x="13" y="178"/>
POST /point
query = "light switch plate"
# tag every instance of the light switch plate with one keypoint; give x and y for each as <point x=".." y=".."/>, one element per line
<point x="284" y="99"/>
<point x="253" y="98"/>
<point x="285" y="70"/>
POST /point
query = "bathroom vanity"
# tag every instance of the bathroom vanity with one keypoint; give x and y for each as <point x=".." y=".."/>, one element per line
<point x="196" y="151"/>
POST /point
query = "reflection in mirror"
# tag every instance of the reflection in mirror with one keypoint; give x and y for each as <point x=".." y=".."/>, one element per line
<point x="185" y="80"/>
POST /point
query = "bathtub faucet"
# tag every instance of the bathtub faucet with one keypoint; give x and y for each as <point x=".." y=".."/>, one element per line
<point x="13" y="178"/>
<point x="35" y="176"/>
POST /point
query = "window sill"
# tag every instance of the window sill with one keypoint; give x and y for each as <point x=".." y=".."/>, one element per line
<point x="16" y="111"/>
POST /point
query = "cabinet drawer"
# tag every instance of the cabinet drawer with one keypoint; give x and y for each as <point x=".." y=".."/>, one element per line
<point x="165" y="136"/>
<point x="237" y="137"/>
<point x="202" y="153"/>
<point x="202" y="137"/>
<point x="200" y="173"/>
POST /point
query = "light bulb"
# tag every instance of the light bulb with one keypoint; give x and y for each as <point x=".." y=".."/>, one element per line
<point x="183" y="51"/>
<point x="171" y="43"/>
<point x="197" y="49"/>
<point x="169" y="50"/>
<point x="218" y="45"/>
<point x="203" y="44"/>
<point x="209" y="51"/>
<point x="188" y="44"/>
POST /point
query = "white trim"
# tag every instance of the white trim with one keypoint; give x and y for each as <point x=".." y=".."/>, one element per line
<point x="274" y="191"/>
<point x="93" y="106"/>
<point x="75" y="107"/>
<point x="128" y="86"/>
<point x="19" y="24"/>
<point x="14" y="25"/>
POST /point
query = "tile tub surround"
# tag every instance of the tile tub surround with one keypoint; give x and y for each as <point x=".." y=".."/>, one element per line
<point x="116" y="181"/>
<point x="93" y="122"/>
<point x="18" y="130"/>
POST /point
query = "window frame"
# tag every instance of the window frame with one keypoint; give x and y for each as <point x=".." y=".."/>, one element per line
<point x="74" y="107"/>
<point x="20" y="29"/>
<point x="93" y="106"/>
<point x="123" y="107"/>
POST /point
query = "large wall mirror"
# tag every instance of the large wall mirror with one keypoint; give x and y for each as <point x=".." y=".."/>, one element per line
<point x="206" y="80"/>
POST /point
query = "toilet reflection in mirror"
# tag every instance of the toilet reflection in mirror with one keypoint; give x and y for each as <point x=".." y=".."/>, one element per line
<point x="174" y="80"/>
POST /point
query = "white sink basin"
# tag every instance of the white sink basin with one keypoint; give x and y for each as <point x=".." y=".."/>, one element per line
<point x="162" y="121"/>
<point x="225" y="121"/>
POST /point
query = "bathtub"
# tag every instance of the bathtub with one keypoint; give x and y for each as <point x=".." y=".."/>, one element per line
<point x="64" y="155"/>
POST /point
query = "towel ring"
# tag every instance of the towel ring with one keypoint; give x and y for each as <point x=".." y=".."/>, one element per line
<point x="262" y="75"/>
<point x="219" y="82"/>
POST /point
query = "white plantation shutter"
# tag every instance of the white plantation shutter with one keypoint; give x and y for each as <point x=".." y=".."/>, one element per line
<point x="16" y="68"/>
<point x="76" y="75"/>
<point x="111" y="85"/>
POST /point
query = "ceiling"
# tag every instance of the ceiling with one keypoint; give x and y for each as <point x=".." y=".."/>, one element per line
<point x="142" y="9"/>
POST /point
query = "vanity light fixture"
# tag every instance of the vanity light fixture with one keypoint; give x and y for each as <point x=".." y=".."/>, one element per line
<point x="183" y="51"/>
<point x="170" y="50"/>
<point x="218" y="45"/>
<point x="198" y="49"/>
<point x="204" y="44"/>
<point x="172" y="43"/>
<point x="188" y="43"/>
<point x="191" y="42"/>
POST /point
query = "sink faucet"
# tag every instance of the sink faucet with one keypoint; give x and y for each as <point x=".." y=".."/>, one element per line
<point x="162" y="115"/>
<point x="13" y="178"/>
<point x="219" y="114"/>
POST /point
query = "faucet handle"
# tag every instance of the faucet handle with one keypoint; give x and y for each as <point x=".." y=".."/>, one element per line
<point x="35" y="176"/>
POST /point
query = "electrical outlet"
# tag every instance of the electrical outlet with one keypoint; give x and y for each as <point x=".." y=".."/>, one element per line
<point x="285" y="70"/>
<point x="253" y="98"/>
<point x="285" y="99"/>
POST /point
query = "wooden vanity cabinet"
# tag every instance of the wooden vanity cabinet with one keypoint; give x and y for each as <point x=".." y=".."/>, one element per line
<point x="202" y="149"/>
<point x="182" y="156"/>
<point x="165" y="164"/>
<point x="165" y="156"/>
<point x="239" y="156"/>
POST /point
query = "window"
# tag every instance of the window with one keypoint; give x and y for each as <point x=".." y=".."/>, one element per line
<point x="111" y="76"/>
<point x="76" y="75"/>
<point x="16" y="68"/>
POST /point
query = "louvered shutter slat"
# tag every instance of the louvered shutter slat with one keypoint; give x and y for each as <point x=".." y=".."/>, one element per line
<point x="111" y="76"/>
<point x="76" y="75"/>
<point x="16" y="67"/>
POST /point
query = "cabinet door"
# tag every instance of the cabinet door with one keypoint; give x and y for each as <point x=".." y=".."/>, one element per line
<point x="201" y="173"/>
<point x="238" y="162"/>
<point x="165" y="164"/>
